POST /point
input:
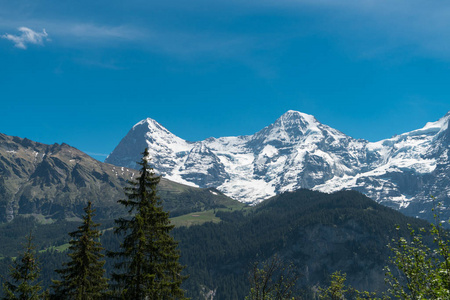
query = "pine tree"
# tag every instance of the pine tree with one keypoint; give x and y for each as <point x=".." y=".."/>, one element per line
<point x="25" y="274"/>
<point x="83" y="276"/>
<point x="149" y="255"/>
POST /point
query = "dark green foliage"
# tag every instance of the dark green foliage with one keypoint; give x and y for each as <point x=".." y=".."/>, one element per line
<point x="149" y="267"/>
<point x="83" y="276"/>
<point x="24" y="274"/>
<point x="13" y="233"/>
<point x="319" y="233"/>
<point x="424" y="270"/>
<point x="193" y="199"/>
<point x="46" y="235"/>
<point x="272" y="280"/>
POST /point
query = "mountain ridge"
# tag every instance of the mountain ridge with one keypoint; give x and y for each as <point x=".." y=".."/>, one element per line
<point x="297" y="151"/>
<point x="56" y="181"/>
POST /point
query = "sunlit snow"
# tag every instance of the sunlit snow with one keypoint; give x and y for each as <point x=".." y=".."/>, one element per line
<point x="296" y="151"/>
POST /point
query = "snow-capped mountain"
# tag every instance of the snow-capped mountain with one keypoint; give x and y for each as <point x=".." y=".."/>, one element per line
<point x="297" y="151"/>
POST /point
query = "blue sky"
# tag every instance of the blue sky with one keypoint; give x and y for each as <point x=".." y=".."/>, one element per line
<point x="84" y="72"/>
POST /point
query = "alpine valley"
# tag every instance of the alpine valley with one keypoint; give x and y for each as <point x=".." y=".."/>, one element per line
<point x="317" y="232"/>
<point x="297" y="151"/>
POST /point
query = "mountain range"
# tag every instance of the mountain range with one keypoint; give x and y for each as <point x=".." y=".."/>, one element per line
<point x="297" y="151"/>
<point x="56" y="181"/>
<point x="319" y="233"/>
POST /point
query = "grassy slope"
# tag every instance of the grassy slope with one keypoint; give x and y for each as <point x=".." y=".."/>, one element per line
<point x="198" y="218"/>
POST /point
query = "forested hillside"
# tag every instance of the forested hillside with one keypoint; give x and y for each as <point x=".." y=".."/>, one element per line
<point x="319" y="233"/>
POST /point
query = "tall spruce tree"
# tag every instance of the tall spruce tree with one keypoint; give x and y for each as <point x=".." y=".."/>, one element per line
<point x="148" y="266"/>
<point x="25" y="275"/>
<point x="83" y="276"/>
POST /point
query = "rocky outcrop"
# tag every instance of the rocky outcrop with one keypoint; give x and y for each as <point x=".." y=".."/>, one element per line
<point x="54" y="180"/>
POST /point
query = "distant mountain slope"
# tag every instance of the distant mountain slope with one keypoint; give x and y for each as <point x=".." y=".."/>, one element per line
<point x="56" y="181"/>
<point x="319" y="233"/>
<point x="297" y="151"/>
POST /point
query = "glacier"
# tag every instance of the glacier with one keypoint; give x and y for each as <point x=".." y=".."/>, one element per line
<point x="297" y="151"/>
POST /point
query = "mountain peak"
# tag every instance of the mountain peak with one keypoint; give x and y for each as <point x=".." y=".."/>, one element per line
<point x="151" y="124"/>
<point x="291" y="127"/>
<point x="296" y="119"/>
<point x="293" y="114"/>
<point x="431" y="128"/>
<point x="163" y="146"/>
<point x="155" y="132"/>
<point x="296" y="123"/>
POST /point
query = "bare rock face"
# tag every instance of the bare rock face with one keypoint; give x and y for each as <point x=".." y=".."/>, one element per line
<point x="54" y="180"/>
<point x="297" y="151"/>
<point x="194" y="172"/>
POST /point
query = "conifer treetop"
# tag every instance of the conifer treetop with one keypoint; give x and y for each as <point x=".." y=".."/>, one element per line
<point x="149" y="267"/>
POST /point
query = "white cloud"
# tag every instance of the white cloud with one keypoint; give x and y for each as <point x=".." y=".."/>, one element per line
<point x="27" y="36"/>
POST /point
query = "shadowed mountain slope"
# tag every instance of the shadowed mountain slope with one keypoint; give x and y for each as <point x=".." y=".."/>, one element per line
<point x="319" y="233"/>
<point x="56" y="181"/>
